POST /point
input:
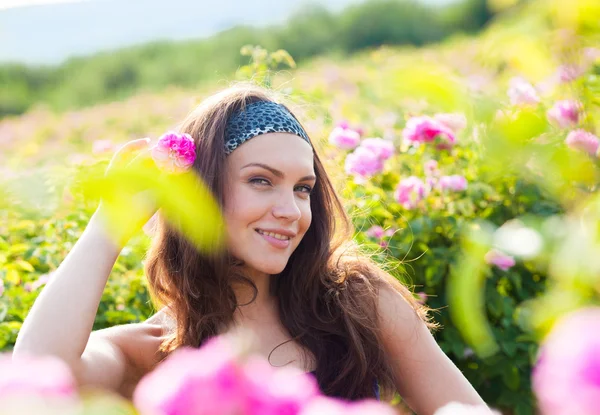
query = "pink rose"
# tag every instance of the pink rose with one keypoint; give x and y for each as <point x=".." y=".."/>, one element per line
<point x="375" y="231"/>
<point x="564" y="113"/>
<point x="363" y="163"/>
<point x="424" y="129"/>
<point x="455" y="183"/>
<point x="522" y="92"/>
<point x="566" y="378"/>
<point x="499" y="259"/>
<point x="583" y="140"/>
<point x="410" y="192"/>
<point x="174" y="153"/>
<point x="46" y="377"/>
<point x="344" y="137"/>
<point x="214" y="380"/>
<point x="270" y="391"/>
<point x="190" y="381"/>
<point x="382" y="148"/>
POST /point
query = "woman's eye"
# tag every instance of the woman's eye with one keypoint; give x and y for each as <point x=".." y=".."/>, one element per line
<point x="305" y="189"/>
<point x="259" y="181"/>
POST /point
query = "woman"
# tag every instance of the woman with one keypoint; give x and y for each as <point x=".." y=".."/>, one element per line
<point x="289" y="275"/>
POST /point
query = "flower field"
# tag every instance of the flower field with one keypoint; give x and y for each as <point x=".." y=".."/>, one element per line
<point x="471" y="170"/>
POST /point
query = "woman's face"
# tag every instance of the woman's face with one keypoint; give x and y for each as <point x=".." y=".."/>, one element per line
<point x="267" y="199"/>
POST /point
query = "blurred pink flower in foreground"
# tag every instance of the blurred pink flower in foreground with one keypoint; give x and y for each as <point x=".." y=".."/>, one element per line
<point x="564" y="113"/>
<point x="566" y="378"/>
<point x="272" y="391"/>
<point x="455" y="121"/>
<point x="522" y="92"/>
<point x="35" y="376"/>
<point x="583" y="140"/>
<point x="455" y="183"/>
<point x="383" y="149"/>
<point x="1" y="288"/>
<point x="213" y="380"/>
<point x="344" y="137"/>
<point x="455" y="408"/>
<point x="410" y="192"/>
<point x="331" y="406"/>
<point x="424" y="129"/>
<point x="174" y="152"/>
<point x="499" y="259"/>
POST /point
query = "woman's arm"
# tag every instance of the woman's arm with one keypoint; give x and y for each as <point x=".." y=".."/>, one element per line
<point x="425" y="377"/>
<point x="61" y="319"/>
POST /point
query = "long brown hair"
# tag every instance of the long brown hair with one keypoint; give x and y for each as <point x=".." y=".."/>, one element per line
<point x="327" y="293"/>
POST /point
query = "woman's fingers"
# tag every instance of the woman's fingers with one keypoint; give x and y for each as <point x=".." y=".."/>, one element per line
<point x="124" y="153"/>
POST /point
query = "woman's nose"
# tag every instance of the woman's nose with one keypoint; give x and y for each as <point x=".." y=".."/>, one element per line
<point x="286" y="207"/>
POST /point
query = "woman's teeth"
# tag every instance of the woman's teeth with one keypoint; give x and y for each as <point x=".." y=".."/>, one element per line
<point x="274" y="235"/>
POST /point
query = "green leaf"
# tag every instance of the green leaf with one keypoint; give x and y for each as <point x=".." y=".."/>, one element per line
<point x="511" y="378"/>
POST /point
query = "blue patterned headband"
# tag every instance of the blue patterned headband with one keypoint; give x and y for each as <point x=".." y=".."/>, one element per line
<point x="258" y="118"/>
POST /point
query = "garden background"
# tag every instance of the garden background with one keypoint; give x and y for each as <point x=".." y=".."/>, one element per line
<point x="463" y="140"/>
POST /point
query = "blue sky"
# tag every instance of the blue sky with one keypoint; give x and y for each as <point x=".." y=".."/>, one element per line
<point x="50" y="31"/>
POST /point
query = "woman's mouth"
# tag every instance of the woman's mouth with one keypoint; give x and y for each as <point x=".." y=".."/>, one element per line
<point x="276" y="240"/>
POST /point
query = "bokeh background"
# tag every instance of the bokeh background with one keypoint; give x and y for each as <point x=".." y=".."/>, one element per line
<point x="462" y="135"/>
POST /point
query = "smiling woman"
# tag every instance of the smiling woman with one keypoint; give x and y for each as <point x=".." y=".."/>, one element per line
<point x="290" y="274"/>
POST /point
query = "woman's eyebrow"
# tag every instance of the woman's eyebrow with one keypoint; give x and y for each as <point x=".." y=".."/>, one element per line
<point x="276" y="172"/>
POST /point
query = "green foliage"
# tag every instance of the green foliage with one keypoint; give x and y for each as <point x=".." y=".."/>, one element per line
<point x="312" y="31"/>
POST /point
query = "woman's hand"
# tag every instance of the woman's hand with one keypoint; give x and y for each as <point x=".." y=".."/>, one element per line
<point x="127" y="203"/>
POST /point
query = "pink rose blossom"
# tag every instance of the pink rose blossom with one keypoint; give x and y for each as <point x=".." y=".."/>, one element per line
<point x="410" y="192"/>
<point x="201" y="381"/>
<point x="424" y="129"/>
<point x="382" y="148"/>
<point x="174" y="153"/>
<point x="215" y="380"/>
<point x="566" y="378"/>
<point x="363" y="163"/>
<point x="455" y="183"/>
<point x="270" y="391"/>
<point x="499" y="259"/>
<point x="583" y="140"/>
<point x="375" y="231"/>
<point x="456" y="408"/>
<point x="46" y="376"/>
<point x="431" y="168"/>
<point x="564" y="113"/>
<point x="455" y="121"/>
<point x="344" y="137"/>
<point x="522" y="92"/>
<point x="332" y="406"/>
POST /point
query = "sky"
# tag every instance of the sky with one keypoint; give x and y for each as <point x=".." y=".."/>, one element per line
<point x="47" y="32"/>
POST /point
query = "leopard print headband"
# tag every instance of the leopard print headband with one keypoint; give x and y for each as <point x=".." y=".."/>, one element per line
<point x="258" y="118"/>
